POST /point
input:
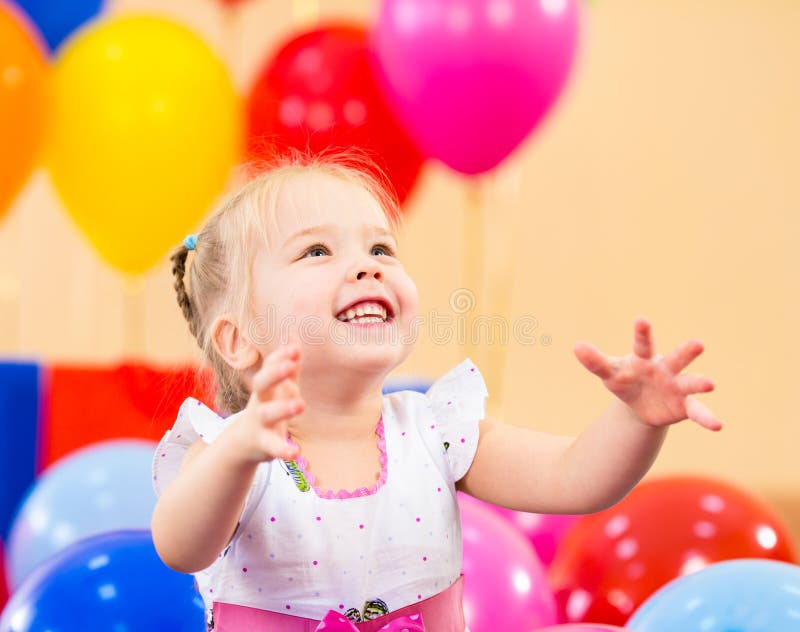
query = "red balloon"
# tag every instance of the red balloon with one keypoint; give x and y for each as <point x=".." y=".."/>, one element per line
<point x="318" y="92"/>
<point x="611" y="561"/>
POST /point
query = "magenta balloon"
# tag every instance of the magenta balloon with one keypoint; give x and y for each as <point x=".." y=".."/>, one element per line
<point x="583" y="627"/>
<point x="469" y="79"/>
<point x="544" y="531"/>
<point x="505" y="585"/>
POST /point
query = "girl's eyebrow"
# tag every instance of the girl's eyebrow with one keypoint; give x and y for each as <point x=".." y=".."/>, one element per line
<point x="330" y="228"/>
<point x="326" y="228"/>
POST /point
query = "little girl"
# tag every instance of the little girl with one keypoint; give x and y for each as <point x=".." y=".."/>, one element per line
<point x="314" y="500"/>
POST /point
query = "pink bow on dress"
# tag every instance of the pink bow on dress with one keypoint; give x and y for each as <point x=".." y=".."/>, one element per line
<point x="335" y="622"/>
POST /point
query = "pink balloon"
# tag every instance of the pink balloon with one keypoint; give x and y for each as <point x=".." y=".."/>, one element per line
<point x="505" y="585"/>
<point x="583" y="627"/>
<point x="469" y="80"/>
<point x="544" y="531"/>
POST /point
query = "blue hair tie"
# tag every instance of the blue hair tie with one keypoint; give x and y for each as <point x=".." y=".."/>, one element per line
<point x="190" y="242"/>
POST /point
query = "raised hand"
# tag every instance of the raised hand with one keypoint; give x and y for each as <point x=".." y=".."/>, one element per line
<point x="651" y="384"/>
<point x="262" y="429"/>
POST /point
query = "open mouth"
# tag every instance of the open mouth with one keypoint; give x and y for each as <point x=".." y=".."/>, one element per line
<point x="365" y="313"/>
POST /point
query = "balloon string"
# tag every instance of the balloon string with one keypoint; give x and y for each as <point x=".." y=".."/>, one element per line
<point x="231" y="39"/>
<point x="505" y="188"/>
<point x="134" y="314"/>
<point x="468" y="301"/>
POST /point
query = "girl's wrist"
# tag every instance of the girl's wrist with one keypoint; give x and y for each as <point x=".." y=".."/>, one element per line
<point x="630" y="416"/>
<point x="236" y="449"/>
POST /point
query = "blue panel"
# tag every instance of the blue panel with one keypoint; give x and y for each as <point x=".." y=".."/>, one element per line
<point x="19" y="421"/>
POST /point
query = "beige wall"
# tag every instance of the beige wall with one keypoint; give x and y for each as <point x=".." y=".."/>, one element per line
<point x="664" y="184"/>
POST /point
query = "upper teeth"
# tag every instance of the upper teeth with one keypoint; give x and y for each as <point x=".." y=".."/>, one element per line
<point x="363" y="309"/>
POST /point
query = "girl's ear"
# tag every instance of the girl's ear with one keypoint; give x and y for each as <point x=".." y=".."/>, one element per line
<point x="234" y="348"/>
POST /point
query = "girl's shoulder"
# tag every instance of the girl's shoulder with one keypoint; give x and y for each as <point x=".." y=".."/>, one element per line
<point x="194" y="421"/>
<point x="458" y="393"/>
<point x="447" y="415"/>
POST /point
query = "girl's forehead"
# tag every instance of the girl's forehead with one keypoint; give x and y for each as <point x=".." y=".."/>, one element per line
<point x="311" y="200"/>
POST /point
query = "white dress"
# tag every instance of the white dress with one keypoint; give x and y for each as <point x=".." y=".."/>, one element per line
<point x="301" y="551"/>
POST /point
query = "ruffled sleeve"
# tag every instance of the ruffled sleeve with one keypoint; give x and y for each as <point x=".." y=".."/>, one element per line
<point x="195" y="420"/>
<point x="457" y="400"/>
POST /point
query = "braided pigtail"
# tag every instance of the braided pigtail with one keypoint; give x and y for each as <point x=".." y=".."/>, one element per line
<point x="178" y="259"/>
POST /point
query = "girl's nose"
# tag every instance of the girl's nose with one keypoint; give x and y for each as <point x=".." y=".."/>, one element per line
<point x="365" y="268"/>
<point x="376" y="273"/>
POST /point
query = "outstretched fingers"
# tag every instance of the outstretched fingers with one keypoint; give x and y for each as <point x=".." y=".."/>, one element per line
<point x="643" y="338"/>
<point x="277" y="366"/>
<point x="700" y="413"/>
<point x="683" y="355"/>
<point x="689" y="384"/>
<point x="595" y="361"/>
<point x="274" y="415"/>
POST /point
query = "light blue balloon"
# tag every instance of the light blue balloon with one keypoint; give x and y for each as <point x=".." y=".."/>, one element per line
<point x="748" y="595"/>
<point x="103" y="487"/>
<point x="393" y="384"/>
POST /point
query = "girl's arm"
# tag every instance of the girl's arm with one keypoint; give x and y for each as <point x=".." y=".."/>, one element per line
<point x="538" y="472"/>
<point x="544" y="473"/>
<point x="197" y="514"/>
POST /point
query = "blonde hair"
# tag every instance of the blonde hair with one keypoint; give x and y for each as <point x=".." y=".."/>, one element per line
<point x="219" y="277"/>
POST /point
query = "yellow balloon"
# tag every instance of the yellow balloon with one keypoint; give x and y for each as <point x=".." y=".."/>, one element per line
<point x="146" y="125"/>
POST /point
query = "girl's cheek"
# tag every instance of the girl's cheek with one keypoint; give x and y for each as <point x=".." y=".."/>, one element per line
<point x="411" y="296"/>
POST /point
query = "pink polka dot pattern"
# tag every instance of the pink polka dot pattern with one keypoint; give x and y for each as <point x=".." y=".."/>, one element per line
<point x="453" y="409"/>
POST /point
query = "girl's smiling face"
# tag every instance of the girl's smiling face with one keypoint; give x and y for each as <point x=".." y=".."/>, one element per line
<point x="331" y="246"/>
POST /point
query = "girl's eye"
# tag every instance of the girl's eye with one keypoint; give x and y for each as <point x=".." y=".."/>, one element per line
<point x="386" y="249"/>
<point x="316" y="248"/>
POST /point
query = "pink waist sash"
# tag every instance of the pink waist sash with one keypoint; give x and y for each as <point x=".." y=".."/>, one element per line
<point x="440" y="613"/>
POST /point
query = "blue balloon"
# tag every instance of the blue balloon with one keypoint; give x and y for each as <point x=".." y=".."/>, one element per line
<point x="113" y="582"/>
<point x="393" y="384"/>
<point x="105" y="486"/>
<point x="57" y="20"/>
<point x="747" y="595"/>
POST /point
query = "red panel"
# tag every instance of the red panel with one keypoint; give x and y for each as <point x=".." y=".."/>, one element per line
<point x="90" y="404"/>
